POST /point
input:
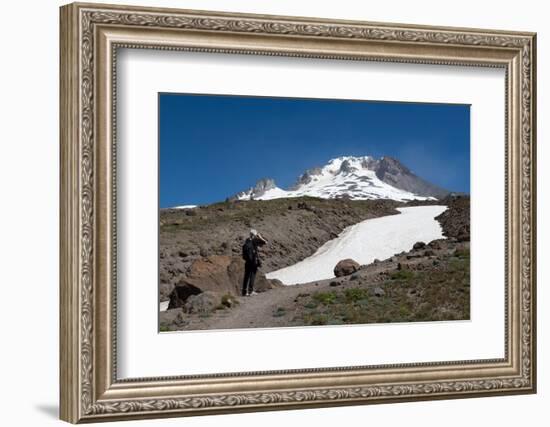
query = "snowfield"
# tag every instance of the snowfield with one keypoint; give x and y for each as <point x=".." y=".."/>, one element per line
<point x="377" y="238"/>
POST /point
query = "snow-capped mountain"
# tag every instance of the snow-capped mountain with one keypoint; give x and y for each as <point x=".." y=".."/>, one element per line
<point x="359" y="178"/>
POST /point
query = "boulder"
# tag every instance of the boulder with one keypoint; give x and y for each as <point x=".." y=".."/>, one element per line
<point x="223" y="274"/>
<point x="202" y="303"/>
<point x="346" y="267"/>
<point x="203" y="252"/>
<point x="379" y="292"/>
<point x="180" y="294"/>
<point x="419" y="245"/>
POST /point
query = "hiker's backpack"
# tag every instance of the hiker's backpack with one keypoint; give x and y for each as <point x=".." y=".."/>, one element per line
<point x="249" y="251"/>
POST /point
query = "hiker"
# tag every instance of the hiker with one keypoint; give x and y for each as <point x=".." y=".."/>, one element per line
<point x="252" y="261"/>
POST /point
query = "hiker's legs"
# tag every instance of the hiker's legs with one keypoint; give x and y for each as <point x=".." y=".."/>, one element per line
<point x="251" y="280"/>
<point x="246" y="279"/>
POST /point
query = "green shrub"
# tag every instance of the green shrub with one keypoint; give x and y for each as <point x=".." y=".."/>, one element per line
<point x="402" y="275"/>
<point x="325" y="298"/>
<point x="279" y="312"/>
<point x="350" y="315"/>
<point x="462" y="253"/>
<point x="404" y="311"/>
<point x="355" y="294"/>
<point x="228" y="301"/>
<point x="319" y="319"/>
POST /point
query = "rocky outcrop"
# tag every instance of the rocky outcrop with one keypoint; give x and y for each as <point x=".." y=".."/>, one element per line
<point x="394" y="173"/>
<point x="306" y="178"/>
<point x="218" y="274"/>
<point x="455" y="221"/>
<point x="346" y="267"/>
<point x="180" y="294"/>
<point x="202" y="303"/>
<point x="419" y="245"/>
<point x="263" y="185"/>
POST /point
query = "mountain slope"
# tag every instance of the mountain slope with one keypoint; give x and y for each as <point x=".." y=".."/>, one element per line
<point x="394" y="173"/>
<point x="358" y="178"/>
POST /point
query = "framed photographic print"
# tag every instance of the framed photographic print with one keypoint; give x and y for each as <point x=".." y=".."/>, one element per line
<point x="267" y="212"/>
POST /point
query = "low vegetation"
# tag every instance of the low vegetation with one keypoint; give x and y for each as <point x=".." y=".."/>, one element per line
<point x="406" y="296"/>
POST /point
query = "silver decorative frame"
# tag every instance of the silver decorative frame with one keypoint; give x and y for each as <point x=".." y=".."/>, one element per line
<point x="90" y="36"/>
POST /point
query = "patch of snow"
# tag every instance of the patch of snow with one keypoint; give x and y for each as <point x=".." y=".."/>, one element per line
<point x="164" y="305"/>
<point x="377" y="238"/>
<point x="272" y="193"/>
<point x="184" y="207"/>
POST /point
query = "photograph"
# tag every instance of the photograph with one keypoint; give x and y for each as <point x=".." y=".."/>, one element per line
<point x="297" y="212"/>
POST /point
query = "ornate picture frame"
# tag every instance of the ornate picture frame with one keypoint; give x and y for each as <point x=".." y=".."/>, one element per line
<point x="90" y="37"/>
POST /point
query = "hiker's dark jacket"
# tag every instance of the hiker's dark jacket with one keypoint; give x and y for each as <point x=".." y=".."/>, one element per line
<point x="250" y="252"/>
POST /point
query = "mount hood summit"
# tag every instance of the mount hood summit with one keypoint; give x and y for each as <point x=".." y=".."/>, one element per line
<point x="355" y="178"/>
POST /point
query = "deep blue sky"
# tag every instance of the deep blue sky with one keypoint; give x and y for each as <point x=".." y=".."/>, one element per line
<point x="212" y="147"/>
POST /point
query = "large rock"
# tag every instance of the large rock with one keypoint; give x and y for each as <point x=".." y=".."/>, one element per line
<point x="222" y="274"/>
<point x="419" y="245"/>
<point x="437" y="244"/>
<point x="346" y="267"/>
<point x="180" y="294"/>
<point x="203" y="303"/>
